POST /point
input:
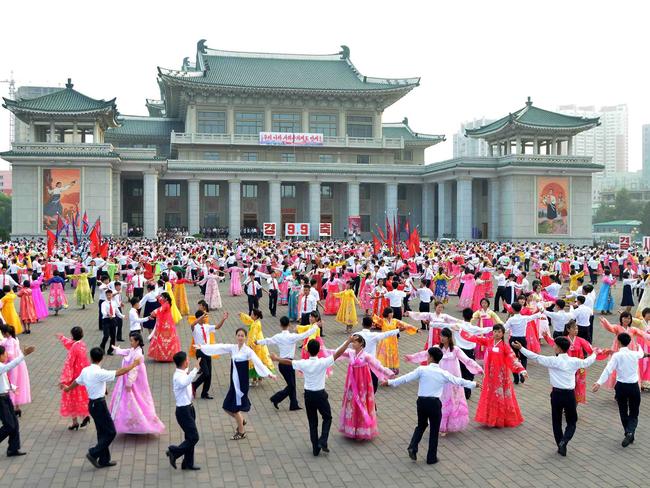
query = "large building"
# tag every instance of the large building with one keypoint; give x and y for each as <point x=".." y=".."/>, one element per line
<point x="5" y="182"/>
<point x="607" y="143"/>
<point x="242" y="139"/>
<point x="464" y="146"/>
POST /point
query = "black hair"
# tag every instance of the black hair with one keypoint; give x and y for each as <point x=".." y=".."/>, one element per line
<point x="560" y="303"/>
<point x="569" y="325"/>
<point x="645" y="311"/>
<point x="500" y="327"/>
<point x="198" y="314"/>
<point x="138" y="337"/>
<point x="258" y="313"/>
<point x="313" y="347"/>
<point x="467" y="314"/>
<point x="581" y="299"/>
<point x="179" y="358"/>
<point x="96" y="354"/>
<point x="485" y="300"/>
<point x="134" y="300"/>
<point x="435" y="353"/>
<point x="284" y="321"/>
<point x="387" y="311"/>
<point x="242" y="329"/>
<point x="516" y="307"/>
<point x="446" y="332"/>
<point x="77" y="333"/>
<point x="563" y="343"/>
<point x="624" y="338"/>
<point x="360" y="339"/>
<point x="366" y="322"/>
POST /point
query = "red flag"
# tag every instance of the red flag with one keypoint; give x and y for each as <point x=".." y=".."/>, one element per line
<point x="389" y="236"/>
<point x="376" y="244"/>
<point x="381" y="233"/>
<point x="51" y="239"/>
<point x="59" y="226"/>
<point x="67" y="247"/>
<point x="98" y="225"/>
<point x="103" y="250"/>
<point x="74" y="235"/>
<point x="396" y="231"/>
<point x="414" y="241"/>
<point x="84" y="223"/>
<point x="93" y="237"/>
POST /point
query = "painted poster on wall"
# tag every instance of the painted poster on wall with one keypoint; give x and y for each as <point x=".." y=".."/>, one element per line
<point x="553" y="205"/>
<point x="61" y="195"/>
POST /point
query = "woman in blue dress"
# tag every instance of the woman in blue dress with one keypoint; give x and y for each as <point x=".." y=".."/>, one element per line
<point x="605" y="301"/>
<point x="294" y="291"/>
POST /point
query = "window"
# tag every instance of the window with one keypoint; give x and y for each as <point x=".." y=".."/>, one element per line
<point x="288" y="157"/>
<point x="172" y="219"/>
<point x="249" y="156"/>
<point x="136" y="191"/>
<point x="285" y="122"/>
<point x="401" y="192"/>
<point x="359" y="126"/>
<point x="249" y="190"/>
<point x="363" y="159"/>
<point x="211" y="220"/>
<point x="172" y="189"/>
<point x="406" y="155"/>
<point x="364" y="192"/>
<point x="323" y="124"/>
<point x="136" y="219"/>
<point x="288" y="191"/>
<point x="326" y="158"/>
<point x="211" y="190"/>
<point x="211" y="122"/>
<point x="249" y="122"/>
<point x="212" y="155"/>
<point x="326" y="191"/>
<point x="365" y="223"/>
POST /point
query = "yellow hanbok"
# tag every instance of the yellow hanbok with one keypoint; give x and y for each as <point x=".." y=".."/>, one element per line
<point x="387" y="349"/>
<point x="180" y="297"/>
<point x="255" y="334"/>
<point x="82" y="291"/>
<point x="9" y="312"/>
<point x="176" y="314"/>
<point x="347" y="313"/>
<point x="573" y="281"/>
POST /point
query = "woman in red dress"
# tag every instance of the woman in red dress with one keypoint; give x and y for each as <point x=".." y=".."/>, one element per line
<point x="164" y="341"/>
<point x="498" y="405"/>
<point x="74" y="403"/>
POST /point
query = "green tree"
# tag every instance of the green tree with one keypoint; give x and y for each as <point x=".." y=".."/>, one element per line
<point x="644" y="229"/>
<point x="5" y="216"/>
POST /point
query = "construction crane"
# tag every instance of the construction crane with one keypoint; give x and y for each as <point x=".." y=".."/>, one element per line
<point x="12" y="96"/>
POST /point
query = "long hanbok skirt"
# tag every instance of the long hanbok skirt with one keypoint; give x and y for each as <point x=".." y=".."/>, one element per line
<point x="365" y="296"/>
<point x="532" y="337"/>
<point x="74" y="403"/>
<point x="56" y="299"/>
<point x="479" y="350"/>
<point x="284" y="293"/>
<point x="497" y="406"/>
<point x="230" y="402"/>
<point x="82" y="292"/>
<point x="19" y="376"/>
<point x="331" y="302"/>
<point x="212" y="295"/>
<point x="180" y="295"/>
<point x="467" y="295"/>
<point x="27" y="310"/>
<point x="292" y="313"/>
<point x="388" y="352"/>
<point x="441" y="293"/>
<point x="165" y="343"/>
<point x="39" y="303"/>
<point x="604" y="302"/>
<point x="358" y="419"/>
<point x="455" y="414"/>
<point x="235" y="284"/>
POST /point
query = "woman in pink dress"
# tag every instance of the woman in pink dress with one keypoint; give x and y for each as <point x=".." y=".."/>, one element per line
<point x="56" y="299"/>
<point x="624" y="325"/>
<point x="27" y="308"/>
<point x="455" y="273"/>
<point x="479" y="291"/>
<point x="235" y="281"/>
<point x="131" y="406"/>
<point x="37" y="296"/>
<point x="365" y="293"/>
<point x="332" y="303"/>
<point x="212" y="295"/>
<point x="467" y="294"/>
<point x="455" y="414"/>
<point x="358" y="418"/>
<point x="19" y="376"/>
<point x="164" y="342"/>
<point x="74" y="403"/>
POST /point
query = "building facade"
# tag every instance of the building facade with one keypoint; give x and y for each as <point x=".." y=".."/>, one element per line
<point x="467" y="147"/>
<point x="241" y="139"/>
<point x="645" y="140"/>
<point x="5" y="182"/>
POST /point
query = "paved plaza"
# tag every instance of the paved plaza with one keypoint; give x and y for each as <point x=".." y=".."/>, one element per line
<point x="277" y="453"/>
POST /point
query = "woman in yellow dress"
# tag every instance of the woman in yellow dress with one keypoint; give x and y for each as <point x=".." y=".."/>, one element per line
<point x="180" y="296"/>
<point x="82" y="291"/>
<point x="176" y="314"/>
<point x="347" y="313"/>
<point x="9" y="310"/>
<point x="387" y="349"/>
<point x="574" y="277"/>
<point x="254" y="324"/>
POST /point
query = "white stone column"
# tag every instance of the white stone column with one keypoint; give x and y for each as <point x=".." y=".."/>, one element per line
<point x="268" y="121"/>
<point x="234" y="209"/>
<point x="193" y="206"/>
<point x="536" y="146"/>
<point x="342" y="129"/>
<point x="444" y="208"/>
<point x="353" y="200"/>
<point x="150" y="204"/>
<point x="314" y="208"/>
<point x="52" y="133"/>
<point x="275" y="206"/>
<point x="391" y="201"/>
<point x="464" y="208"/>
<point x="377" y="132"/>
<point x="553" y="146"/>
<point x="96" y="134"/>
<point x="191" y="123"/>
<point x="230" y="120"/>
<point x="570" y="146"/>
<point x="427" y="210"/>
<point x="116" y="217"/>
<point x="494" y="209"/>
<point x="519" y="149"/>
<point x="305" y="120"/>
<point x="75" y="133"/>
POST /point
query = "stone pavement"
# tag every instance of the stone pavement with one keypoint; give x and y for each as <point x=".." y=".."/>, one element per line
<point x="277" y="453"/>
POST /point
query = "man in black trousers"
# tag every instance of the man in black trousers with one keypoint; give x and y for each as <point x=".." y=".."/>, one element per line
<point x="185" y="414"/>
<point x="273" y="294"/>
<point x="432" y="379"/>
<point x="562" y="371"/>
<point x="625" y="363"/>
<point x="94" y="378"/>
<point x="314" y="370"/>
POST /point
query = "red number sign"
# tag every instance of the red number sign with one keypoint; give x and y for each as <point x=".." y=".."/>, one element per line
<point x="296" y="229"/>
<point x="269" y="229"/>
<point x="624" y="241"/>
<point x="325" y="229"/>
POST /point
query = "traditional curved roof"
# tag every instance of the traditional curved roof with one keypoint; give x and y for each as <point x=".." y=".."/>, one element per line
<point x="534" y="118"/>
<point x="64" y="102"/>
<point x="318" y="72"/>
<point x="156" y="108"/>
<point x="402" y="130"/>
<point x="135" y="126"/>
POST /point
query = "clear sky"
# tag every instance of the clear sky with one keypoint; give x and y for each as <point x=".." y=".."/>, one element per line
<point x="476" y="58"/>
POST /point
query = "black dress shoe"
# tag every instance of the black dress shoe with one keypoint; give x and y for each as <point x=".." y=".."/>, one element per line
<point x="629" y="439"/>
<point x="108" y="464"/>
<point x="432" y="461"/>
<point x="561" y="448"/>
<point x="324" y="448"/>
<point x="172" y="458"/>
<point x="190" y="468"/>
<point x="412" y="454"/>
<point x="92" y="460"/>
<point x="207" y="397"/>
<point x="316" y="451"/>
<point x="275" y="404"/>
<point x="295" y="408"/>
<point x="15" y="453"/>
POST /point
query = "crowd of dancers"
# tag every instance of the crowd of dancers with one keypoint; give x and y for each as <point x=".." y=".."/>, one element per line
<point x="512" y="300"/>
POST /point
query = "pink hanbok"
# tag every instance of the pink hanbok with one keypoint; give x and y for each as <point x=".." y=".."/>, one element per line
<point x="454" y="284"/>
<point x="131" y="406"/>
<point x="57" y="299"/>
<point x="235" y="281"/>
<point x="39" y="301"/>
<point x="358" y="418"/>
<point x="19" y="376"/>
<point x="332" y="303"/>
<point x="455" y="414"/>
<point x="467" y="295"/>
<point x="365" y="294"/>
<point x="212" y="295"/>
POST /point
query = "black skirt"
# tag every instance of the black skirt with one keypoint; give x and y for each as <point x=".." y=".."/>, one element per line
<point x="230" y="402"/>
<point x="148" y="308"/>
<point x="627" y="300"/>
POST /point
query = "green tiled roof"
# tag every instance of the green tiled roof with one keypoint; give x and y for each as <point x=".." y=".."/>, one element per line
<point x="403" y="130"/>
<point x="66" y="100"/>
<point x="620" y="222"/>
<point x="334" y="72"/>
<point x="72" y="154"/>
<point x="149" y="127"/>
<point x="534" y="117"/>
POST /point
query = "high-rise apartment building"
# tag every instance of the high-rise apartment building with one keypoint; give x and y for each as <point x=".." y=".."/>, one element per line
<point x="469" y="147"/>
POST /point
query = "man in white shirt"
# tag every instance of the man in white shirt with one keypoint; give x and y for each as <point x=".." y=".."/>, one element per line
<point x="10" y="427"/>
<point x="138" y="282"/>
<point x="562" y="371"/>
<point x="94" y="378"/>
<point x="185" y="414"/>
<point x="425" y="295"/>
<point x="432" y="379"/>
<point x="581" y="314"/>
<point x="201" y="331"/>
<point x="500" y="293"/>
<point x="307" y="303"/>
<point x="314" y="370"/>
<point x="517" y="326"/>
<point x="559" y="318"/>
<point x="625" y="363"/>
<point x="134" y="316"/>
<point x="286" y="342"/>
<point x="395" y="299"/>
<point x="109" y="311"/>
<point x="252" y="289"/>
